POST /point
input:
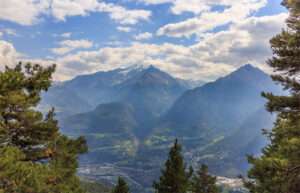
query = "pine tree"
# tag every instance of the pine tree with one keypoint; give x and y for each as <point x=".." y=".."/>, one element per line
<point x="35" y="156"/>
<point x="203" y="182"/>
<point x="174" y="177"/>
<point x="121" y="186"/>
<point x="278" y="169"/>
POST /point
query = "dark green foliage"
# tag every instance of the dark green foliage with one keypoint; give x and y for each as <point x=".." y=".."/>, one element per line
<point x="19" y="93"/>
<point x="286" y="61"/>
<point x="278" y="169"/>
<point x="17" y="175"/>
<point x="36" y="157"/>
<point x="174" y="177"/>
<point x="121" y="186"/>
<point x="203" y="182"/>
<point x="227" y="189"/>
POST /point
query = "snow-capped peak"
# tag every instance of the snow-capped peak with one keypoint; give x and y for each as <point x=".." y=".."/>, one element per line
<point x="134" y="67"/>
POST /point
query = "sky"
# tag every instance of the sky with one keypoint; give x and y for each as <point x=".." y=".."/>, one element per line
<point x="189" y="39"/>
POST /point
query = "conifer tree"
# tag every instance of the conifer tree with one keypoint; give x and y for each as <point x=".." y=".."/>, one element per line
<point x="35" y="157"/>
<point x="121" y="186"/>
<point x="203" y="182"/>
<point x="174" y="177"/>
<point x="278" y="169"/>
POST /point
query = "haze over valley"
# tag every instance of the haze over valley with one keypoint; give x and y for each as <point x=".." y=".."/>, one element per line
<point x="131" y="116"/>
<point x="143" y="96"/>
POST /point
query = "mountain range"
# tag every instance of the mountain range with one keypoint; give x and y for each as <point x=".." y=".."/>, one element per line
<point x="135" y="85"/>
<point x="131" y="116"/>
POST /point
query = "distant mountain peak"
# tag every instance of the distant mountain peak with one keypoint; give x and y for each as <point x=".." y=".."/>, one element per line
<point x="247" y="73"/>
<point x="133" y="67"/>
<point x="151" y="68"/>
<point x="139" y="66"/>
<point x="249" y="67"/>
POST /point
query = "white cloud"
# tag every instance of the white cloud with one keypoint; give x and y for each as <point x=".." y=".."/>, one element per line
<point x="1" y="33"/>
<point x="245" y="42"/>
<point x="64" y="35"/>
<point x="12" y="32"/>
<point x="69" y="45"/>
<point x="115" y="43"/>
<point x="123" y="15"/>
<point x="237" y="11"/>
<point x="10" y="57"/>
<point x="153" y="2"/>
<point x="194" y="6"/>
<point x="174" y="59"/>
<point x="125" y="29"/>
<point x="214" y="56"/>
<point x="8" y="54"/>
<point x="61" y="50"/>
<point x="76" y="43"/>
<point x="66" y="8"/>
<point x="24" y="12"/>
<point x="29" y="12"/>
<point x="50" y="57"/>
<point x="145" y="35"/>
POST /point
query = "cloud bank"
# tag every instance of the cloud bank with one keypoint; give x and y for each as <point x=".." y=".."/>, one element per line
<point x="209" y="20"/>
<point x="212" y="54"/>
<point x="30" y="12"/>
<point x="216" y="55"/>
<point x="70" y="45"/>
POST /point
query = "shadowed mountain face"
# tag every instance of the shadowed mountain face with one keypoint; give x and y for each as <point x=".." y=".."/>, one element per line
<point x="102" y="87"/>
<point x="150" y="91"/>
<point x="66" y="102"/>
<point x="216" y="123"/>
<point x="152" y="94"/>
<point x="109" y="130"/>
<point x="221" y="104"/>
<point x="148" y="96"/>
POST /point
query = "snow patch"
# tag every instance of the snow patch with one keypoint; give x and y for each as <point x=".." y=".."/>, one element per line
<point x="134" y="67"/>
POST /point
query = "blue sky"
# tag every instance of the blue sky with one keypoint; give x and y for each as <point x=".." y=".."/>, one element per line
<point x="190" y="39"/>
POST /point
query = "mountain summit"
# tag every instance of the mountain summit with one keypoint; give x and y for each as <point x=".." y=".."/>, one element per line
<point x="153" y="93"/>
<point x="249" y="75"/>
<point x="207" y="115"/>
<point x="224" y="100"/>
